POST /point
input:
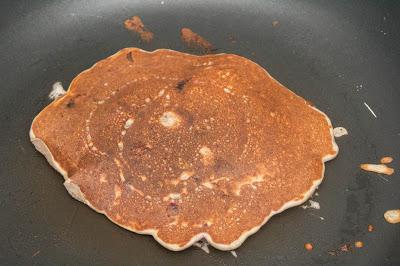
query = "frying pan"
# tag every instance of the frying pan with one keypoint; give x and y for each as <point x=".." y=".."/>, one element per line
<point x="336" y="54"/>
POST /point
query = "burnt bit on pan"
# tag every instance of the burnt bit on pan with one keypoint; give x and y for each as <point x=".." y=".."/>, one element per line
<point x="135" y="24"/>
<point x="194" y="40"/>
<point x="344" y="248"/>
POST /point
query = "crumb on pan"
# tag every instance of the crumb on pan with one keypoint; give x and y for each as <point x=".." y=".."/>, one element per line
<point x="192" y="39"/>
<point x="392" y="216"/>
<point x="339" y="131"/>
<point x="341" y="249"/>
<point x="370" y="228"/>
<point x="386" y="159"/>
<point x="358" y="244"/>
<point x="57" y="91"/>
<point x="377" y="168"/>
<point x="308" y="246"/>
<point x="345" y="248"/>
<point x="313" y="205"/>
<point x="135" y="24"/>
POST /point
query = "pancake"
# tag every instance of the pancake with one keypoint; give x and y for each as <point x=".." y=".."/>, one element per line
<point x="185" y="147"/>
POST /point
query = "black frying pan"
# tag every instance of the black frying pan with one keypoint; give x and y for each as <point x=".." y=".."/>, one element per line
<point x="337" y="54"/>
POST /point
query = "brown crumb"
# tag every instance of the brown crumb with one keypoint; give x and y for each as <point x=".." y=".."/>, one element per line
<point x="308" y="246"/>
<point x="345" y="248"/>
<point x="36" y="253"/>
<point x="135" y="24"/>
<point x="193" y="39"/>
<point x="386" y="160"/>
<point x="341" y="249"/>
<point x="358" y="244"/>
<point x="392" y="216"/>
<point x="275" y="23"/>
<point x="370" y="228"/>
<point x="146" y="36"/>
<point x="377" y="168"/>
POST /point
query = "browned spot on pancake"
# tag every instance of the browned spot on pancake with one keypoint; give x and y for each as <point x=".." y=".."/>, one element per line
<point x="172" y="209"/>
<point x="181" y="84"/>
<point x="215" y="156"/>
<point x="129" y="57"/>
<point x="73" y="100"/>
<point x="71" y="103"/>
<point x="138" y="148"/>
<point x="222" y="167"/>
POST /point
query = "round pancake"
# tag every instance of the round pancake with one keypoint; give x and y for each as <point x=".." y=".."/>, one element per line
<point x="185" y="147"/>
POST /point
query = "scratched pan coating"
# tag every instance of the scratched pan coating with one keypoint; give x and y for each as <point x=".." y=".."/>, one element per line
<point x="337" y="55"/>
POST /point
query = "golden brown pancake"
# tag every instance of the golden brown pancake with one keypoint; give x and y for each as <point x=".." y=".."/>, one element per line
<point x="185" y="147"/>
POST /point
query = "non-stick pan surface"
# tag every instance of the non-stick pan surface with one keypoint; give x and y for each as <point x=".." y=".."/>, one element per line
<point x="337" y="54"/>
